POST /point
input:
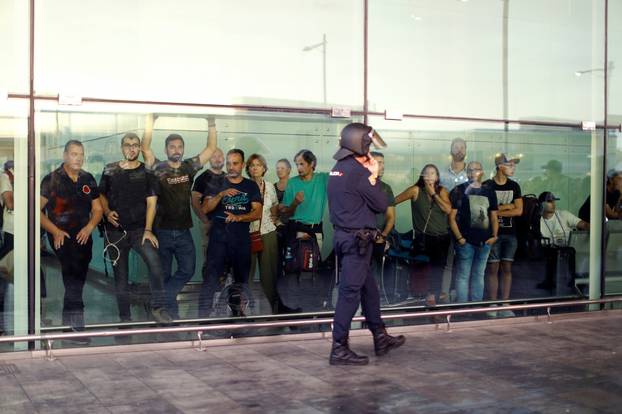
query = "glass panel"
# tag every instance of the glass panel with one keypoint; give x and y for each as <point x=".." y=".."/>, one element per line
<point x="615" y="64"/>
<point x="431" y="57"/>
<point x="534" y="253"/>
<point x="277" y="52"/>
<point x="100" y="128"/>
<point x="14" y="46"/>
<point x="13" y="204"/>
<point x="613" y="246"/>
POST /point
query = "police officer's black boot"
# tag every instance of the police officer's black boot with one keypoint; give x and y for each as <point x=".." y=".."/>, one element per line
<point x="383" y="342"/>
<point x="341" y="354"/>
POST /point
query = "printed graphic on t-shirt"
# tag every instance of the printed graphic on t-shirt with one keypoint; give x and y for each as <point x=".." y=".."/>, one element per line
<point x="479" y="211"/>
<point x="505" y="197"/>
<point x="178" y="180"/>
<point x="237" y="203"/>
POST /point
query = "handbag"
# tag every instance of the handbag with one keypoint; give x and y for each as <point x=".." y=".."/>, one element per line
<point x="256" y="241"/>
<point x="419" y="249"/>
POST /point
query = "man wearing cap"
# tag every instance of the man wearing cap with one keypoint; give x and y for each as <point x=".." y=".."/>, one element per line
<point x="613" y="198"/>
<point x="555" y="228"/>
<point x="510" y="205"/>
<point x="355" y="197"/>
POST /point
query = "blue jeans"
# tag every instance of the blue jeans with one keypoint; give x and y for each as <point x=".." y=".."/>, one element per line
<point x="470" y="264"/>
<point x="178" y="244"/>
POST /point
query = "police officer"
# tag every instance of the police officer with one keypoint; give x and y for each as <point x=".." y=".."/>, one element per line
<point x="354" y="198"/>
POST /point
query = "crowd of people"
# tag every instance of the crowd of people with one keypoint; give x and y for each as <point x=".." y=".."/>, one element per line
<point x="464" y="226"/>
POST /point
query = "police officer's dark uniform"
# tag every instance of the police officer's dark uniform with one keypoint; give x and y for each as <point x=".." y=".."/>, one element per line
<point x="69" y="207"/>
<point x="353" y="203"/>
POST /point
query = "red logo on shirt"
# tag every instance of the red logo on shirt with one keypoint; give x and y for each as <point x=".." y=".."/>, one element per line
<point x="86" y="189"/>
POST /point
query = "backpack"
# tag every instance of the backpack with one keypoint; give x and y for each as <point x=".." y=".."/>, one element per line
<point x="528" y="226"/>
<point x="302" y="255"/>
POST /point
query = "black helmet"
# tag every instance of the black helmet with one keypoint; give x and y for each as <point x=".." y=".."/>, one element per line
<point x="356" y="139"/>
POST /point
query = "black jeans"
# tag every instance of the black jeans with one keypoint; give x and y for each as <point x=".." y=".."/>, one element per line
<point x="149" y="254"/>
<point x="74" y="261"/>
<point x="224" y="249"/>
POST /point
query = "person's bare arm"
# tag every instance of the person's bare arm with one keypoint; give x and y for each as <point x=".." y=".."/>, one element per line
<point x="389" y="221"/>
<point x="583" y="225"/>
<point x="209" y="149"/>
<point x="442" y="199"/>
<point x="195" y="200"/>
<point x="7" y="198"/>
<point x="111" y="215"/>
<point x="58" y="234"/>
<point x="148" y="155"/>
<point x="254" y="214"/>
<point x="411" y="192"/>
<point x="96" y="216"/>
<point x="515" y="211"/>
<point x="453" y="225"/>
<point x="289" y="211"/>
<point x="152" y="202"/>
<point x="494" y="220"/>
<point x="212" y="202"/>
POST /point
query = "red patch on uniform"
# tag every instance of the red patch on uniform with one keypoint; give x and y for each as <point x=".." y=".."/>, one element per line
<point x="86" y="189"/>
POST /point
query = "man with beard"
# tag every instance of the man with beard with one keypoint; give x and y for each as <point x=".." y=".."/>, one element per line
<point x="174" y="220"/>
<point x="232" y="206"/>
<point x="70" y="211"/>
<point x="204" y="185"/>
<point x="129" y="198"/>
<point x="453" y="176"/>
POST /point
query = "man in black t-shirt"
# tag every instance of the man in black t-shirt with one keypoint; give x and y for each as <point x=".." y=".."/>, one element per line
<point x="204" y="184"/>
<point x="510" y="203"/>
<point x="70" y="212"/>
<point x="129" y="197"/>
<point x="174" y="220"/>
<point x="232" y="207"/>
<point x="385" y="221"/>
<point x="474" y="224"/>
<point x="613" y="198"/>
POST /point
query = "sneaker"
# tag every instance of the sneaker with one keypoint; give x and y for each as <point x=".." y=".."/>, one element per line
<point x="506" y="314"/>
<point x="162" y="316"/>
<point x="79" y="341"/>
<point x="492" y="314"/>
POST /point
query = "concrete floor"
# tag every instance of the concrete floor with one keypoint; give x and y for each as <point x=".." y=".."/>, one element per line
<point x="517" y="366"/>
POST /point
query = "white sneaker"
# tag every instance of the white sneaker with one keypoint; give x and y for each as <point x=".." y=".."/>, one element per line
<point x="506" y="314"/>
<point x="492" y="314"/>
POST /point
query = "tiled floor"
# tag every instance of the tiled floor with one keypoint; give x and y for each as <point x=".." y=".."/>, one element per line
<point x="570" y="366"/>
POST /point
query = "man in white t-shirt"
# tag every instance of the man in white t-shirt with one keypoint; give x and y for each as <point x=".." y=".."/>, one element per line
<point x="555" y="228"/>
<point x="556" y="225"/>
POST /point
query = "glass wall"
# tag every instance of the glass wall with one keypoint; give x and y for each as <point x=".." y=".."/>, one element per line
<point x="206" y="51"/>
<point x="613" y="247"/>
<point x="479" y="59"/>
<point x="13" y="201"/>
<point x="505" y="83"/>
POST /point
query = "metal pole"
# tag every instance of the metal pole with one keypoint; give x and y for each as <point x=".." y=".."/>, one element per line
<point x="324" y="66"/>
<point x="32" y="232"/>
<point x="603" y="197"/>
<point x="365" y="56"/>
